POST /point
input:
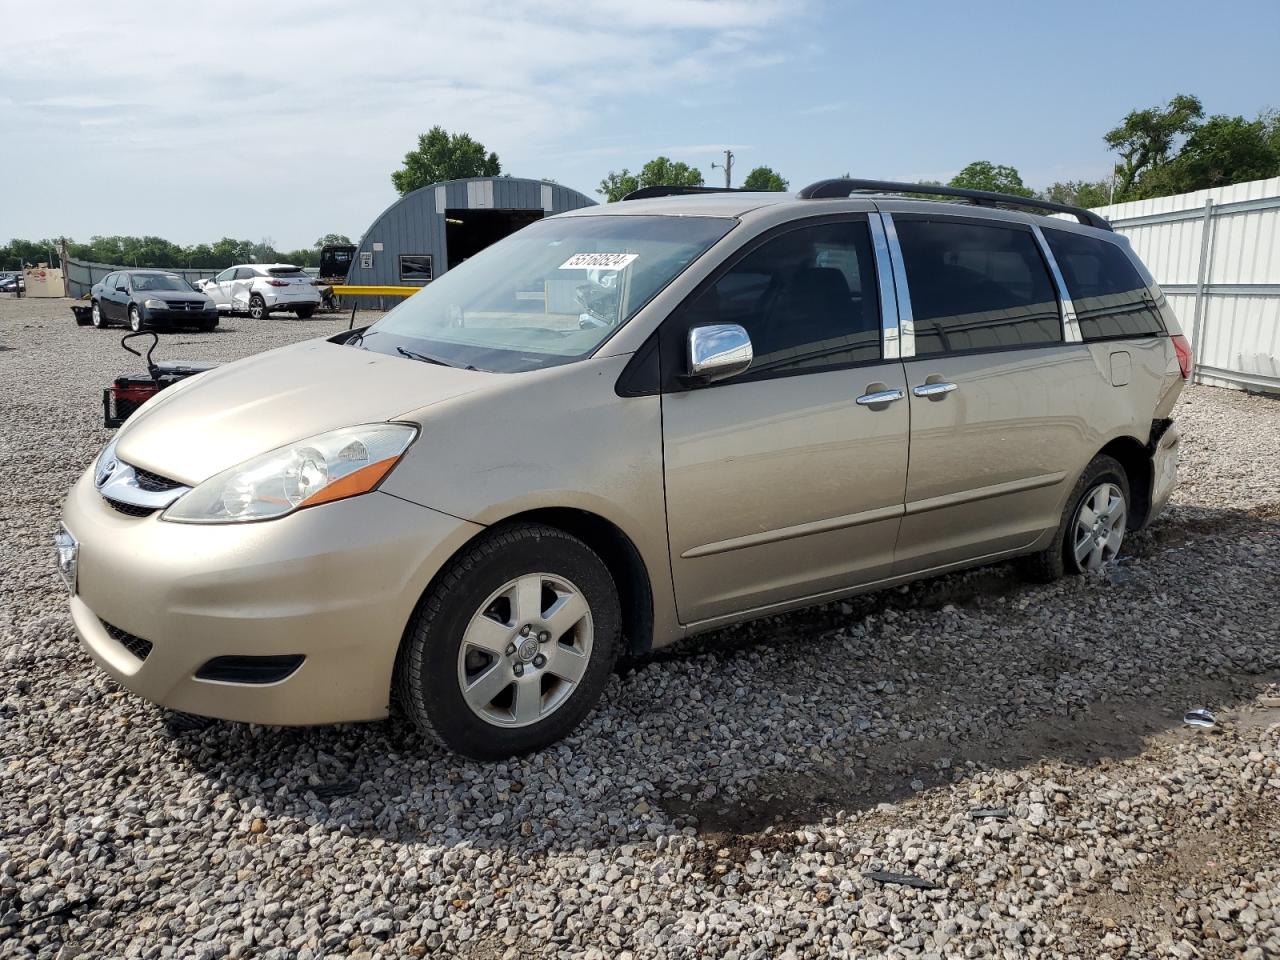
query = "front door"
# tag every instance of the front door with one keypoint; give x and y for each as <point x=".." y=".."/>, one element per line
<point x="997" y="434"/>
<point x="219" y="288"/>
<point x="781" y="484"/>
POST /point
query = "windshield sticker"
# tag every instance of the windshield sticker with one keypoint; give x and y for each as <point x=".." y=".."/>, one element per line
<point x="598" y="261"/>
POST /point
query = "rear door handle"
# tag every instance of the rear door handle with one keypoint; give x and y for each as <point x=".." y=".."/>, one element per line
<point x="880" y="396"/>
<point x="933" y="389"/>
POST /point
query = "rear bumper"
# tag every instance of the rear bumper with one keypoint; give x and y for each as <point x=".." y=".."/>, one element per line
<point x="287" y="298"/>
<point x="1164" y="469"/>
<point x="156" y="602"/>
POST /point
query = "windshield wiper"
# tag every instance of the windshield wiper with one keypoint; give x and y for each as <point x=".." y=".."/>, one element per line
<point x="414" y="355"/>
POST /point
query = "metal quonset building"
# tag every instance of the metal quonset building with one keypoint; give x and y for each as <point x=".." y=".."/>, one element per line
<point x="426" y="232"/>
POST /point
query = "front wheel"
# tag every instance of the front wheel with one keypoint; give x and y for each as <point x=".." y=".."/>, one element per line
<point x="135" y="319"/>
<point x="98" y="320"/>
<point x="1093" y="524"/>
<point x="512" y="646"/>
<point x="257" y="307"/>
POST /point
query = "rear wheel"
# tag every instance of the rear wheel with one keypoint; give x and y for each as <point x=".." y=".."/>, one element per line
<point x="257" y="307"/>
<point x="135" y="319"/>
<point x="1093" y="524"/>
<point x="510" y="649"/>
<point x="304" y="313"/>
<point x="96" y="317"/>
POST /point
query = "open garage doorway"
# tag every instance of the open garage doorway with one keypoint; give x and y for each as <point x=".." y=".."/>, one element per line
<point x="467" y="232"/>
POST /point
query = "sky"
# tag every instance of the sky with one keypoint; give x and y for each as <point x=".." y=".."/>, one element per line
<point x="285" y="120"/>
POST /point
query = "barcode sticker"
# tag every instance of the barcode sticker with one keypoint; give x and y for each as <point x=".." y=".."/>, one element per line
<point x="598" y="261"/>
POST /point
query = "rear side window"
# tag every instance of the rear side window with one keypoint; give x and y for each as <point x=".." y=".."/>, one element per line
<point x="807" y="298"/>
<point x="976" y="286"/>
<point x="1110" y="298"/>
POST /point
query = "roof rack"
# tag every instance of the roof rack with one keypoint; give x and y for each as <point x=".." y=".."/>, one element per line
<point x="644" y="193"/>
<point x="844" y="186"/>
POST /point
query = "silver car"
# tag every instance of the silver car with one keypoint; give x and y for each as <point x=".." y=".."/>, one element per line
<point x="618" y="427"/>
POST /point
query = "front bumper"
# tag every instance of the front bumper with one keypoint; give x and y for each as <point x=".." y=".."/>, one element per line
<point x="178" y="318"/>
<point x="335" y="584"/>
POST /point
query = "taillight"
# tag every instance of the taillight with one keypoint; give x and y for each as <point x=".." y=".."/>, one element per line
<point x="133" y="392"/>
<point x="277" y="283"/>
<point x="1183" y="348"/>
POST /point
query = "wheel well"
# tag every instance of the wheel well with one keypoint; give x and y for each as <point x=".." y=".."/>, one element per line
<point x="1136" y="460"/>
<point x="623" y="560"/>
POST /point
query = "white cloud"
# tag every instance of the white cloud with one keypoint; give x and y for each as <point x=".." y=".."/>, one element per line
<point x="279" y="108"/>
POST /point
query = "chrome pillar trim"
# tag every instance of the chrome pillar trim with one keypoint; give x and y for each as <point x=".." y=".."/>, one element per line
<point x="1070" y="322"/>
<point x="121" y="484"/>
<point x="889" y="342"/>
<point x="906" y="319"/>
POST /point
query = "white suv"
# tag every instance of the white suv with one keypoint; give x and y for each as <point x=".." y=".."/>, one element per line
<point x="259" y="288"/>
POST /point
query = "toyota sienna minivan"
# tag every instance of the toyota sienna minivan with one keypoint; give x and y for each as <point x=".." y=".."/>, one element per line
<point x="621" y="426"/>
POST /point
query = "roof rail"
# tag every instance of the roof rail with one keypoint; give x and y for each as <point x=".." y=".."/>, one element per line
<point x="644" y="193"/>
<point x="844" y="186"/>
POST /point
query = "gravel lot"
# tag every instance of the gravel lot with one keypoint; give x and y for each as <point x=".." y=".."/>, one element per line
<point x="731" y="795"/>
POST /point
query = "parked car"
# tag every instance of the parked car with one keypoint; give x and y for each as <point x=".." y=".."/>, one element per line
<point x="474" y="505"/>
<point x="150" y="300"/>
<point x="260" y="288"/>
<point x="12" y="283"/>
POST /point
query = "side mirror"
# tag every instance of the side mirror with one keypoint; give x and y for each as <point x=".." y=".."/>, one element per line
<point x="122" y="287"/>
<point x="718" y="351"/>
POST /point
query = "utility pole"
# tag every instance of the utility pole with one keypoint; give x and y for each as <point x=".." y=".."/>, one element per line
<point x="727" y="167"/>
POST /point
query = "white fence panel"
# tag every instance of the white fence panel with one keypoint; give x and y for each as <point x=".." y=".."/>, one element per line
<point x="1216" y="255"/>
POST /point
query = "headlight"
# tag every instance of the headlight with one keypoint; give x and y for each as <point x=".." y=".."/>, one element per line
<point x="210" y="305"/>
<point x="154" y="304"/>
<point x="105" y="463"/>
<point x="333" y="466"/>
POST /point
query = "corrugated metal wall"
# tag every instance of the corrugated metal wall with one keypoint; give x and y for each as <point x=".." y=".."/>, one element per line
<point x="1216" y="255"/>
<point x="414" y="224"/>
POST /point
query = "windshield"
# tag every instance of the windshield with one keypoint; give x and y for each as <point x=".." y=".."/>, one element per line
<point x="546" y="295"/>
<point x="158" y="281"/>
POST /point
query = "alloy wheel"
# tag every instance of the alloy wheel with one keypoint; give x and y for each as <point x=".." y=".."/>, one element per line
<point x="135" y="319"/>
<point x="1099" y="527"/>
<point x="525" y="650"/>
<point x="97" y="315"/>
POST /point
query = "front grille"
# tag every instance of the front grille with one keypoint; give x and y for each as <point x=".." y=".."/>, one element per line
<point x="185" y="304"/>
<point x="129" y="509"/>
<point x="153" y="481"/>
<point x="135" y="645"/>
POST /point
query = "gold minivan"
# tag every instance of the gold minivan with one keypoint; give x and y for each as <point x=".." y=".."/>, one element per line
<point x="618" y="427"/>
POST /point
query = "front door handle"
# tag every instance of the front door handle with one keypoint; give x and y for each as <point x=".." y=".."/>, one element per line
<point x="933" y="389"/>
<point x="880" y="396"/>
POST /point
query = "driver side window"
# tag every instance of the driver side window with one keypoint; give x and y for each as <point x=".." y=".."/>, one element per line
<point x="807" y="298"/>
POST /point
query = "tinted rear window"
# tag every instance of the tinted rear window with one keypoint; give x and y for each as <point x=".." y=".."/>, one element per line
<point x="976" y="286"/>
<point x="1110" y="298"/>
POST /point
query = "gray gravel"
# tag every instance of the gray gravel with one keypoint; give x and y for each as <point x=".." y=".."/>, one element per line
<point x="1016" y="748"/>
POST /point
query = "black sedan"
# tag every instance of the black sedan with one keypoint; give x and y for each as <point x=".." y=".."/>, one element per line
<point x="151" y="299"/>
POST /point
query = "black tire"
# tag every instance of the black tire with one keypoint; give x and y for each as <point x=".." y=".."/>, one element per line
<point x="258" y="307"/>
<point x="135" y="319"/>
<point x="427" y="668"/>
<point x="96" y="318"/>
<point x="1057" y="558"/>
<point x="208" y="326"/>
<point x="304" y="313"/>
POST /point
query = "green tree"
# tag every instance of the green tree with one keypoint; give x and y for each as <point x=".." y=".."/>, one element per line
<point x="765" y="178"/>
<point x="441" y="155"/>
<point x="1222" y="150"/>
<point x="329" y="238"/>
<point x="1145" y="138"/>
<point x="658" y="172"/>
<point x="1080" y="193"/>
<point x="997" y="178"/>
